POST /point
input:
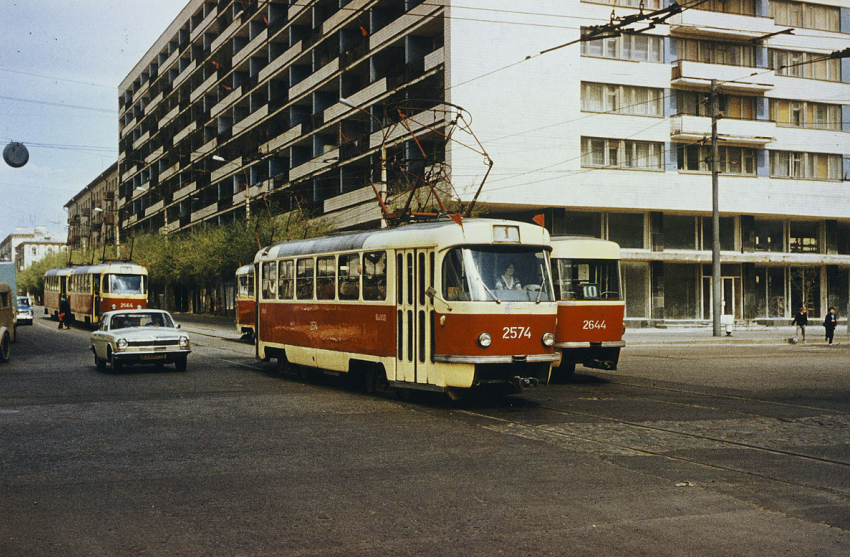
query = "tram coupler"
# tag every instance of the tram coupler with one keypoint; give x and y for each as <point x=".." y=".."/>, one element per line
<point x="527" y="381"/>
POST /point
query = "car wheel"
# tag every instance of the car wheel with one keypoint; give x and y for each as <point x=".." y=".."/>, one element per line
<point x="5" y="348"/>
<point x="114" y="363"/>
<point x="180" y="363"/>
<point x="101" y="364"/>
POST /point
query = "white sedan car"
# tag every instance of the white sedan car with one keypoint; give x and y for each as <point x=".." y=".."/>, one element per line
<point x="139" y="336"/>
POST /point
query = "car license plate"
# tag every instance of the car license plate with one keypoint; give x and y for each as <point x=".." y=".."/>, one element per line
<point x="153" y="357"/>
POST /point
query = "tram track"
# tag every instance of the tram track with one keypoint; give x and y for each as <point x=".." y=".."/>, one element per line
<point x="545" y="433"/>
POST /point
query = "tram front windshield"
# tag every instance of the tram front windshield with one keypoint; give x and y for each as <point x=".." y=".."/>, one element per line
<point x="126" y="284"/>
<point x="484" y="274"/>
<point x="586" y="279"/>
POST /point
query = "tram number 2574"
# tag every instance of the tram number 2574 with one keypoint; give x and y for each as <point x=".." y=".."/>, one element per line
<point x="516" y="332"/>
<point x="590" y="324"/>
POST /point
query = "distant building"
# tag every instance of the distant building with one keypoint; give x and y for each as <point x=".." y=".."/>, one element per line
<point x="607" y="138"/>
<point x="91" y="213"/>
<point x="37" y="239"/>
<point x="30" y="251"/>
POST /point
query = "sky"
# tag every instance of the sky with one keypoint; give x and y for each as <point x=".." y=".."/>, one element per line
<point x="61" y="62"/>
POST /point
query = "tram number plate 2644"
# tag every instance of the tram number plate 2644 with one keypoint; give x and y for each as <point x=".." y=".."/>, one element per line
<point x="592" y="325"/>
<point x="516" y="332"/>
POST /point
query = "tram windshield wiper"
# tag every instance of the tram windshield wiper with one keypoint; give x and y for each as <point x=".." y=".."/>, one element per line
<point x="490" y="292"/>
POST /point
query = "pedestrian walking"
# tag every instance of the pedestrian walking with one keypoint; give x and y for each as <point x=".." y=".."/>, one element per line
<point x="829" y="324"/>
<point x="64" y="313"/>
<point x="801" y="320"/>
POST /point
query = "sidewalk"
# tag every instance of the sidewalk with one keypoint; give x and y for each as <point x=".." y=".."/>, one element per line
<point x="225" y="327"/>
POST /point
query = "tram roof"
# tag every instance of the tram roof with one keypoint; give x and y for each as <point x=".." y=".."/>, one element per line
<point x="445" y="233"/>
<point x="114" y="267"/>
<point x="584" y="247"/>
<point x="245" y="270"/>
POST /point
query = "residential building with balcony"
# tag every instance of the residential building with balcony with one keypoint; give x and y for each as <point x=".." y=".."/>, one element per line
<point x="241" y="101"/>
<point x="92" y="213"/>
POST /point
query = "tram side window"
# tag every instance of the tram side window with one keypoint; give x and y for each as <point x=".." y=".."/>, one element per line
<point x="304" y="279"/>
<point x="349" y="276"/>
<point x="269" y="280"/>
<point x="375" y="275"/>
<point x="454" y="281"/>
<point x="286" y="280"/>
<point x="325" y="278"/>
<point x="250" y="285"/>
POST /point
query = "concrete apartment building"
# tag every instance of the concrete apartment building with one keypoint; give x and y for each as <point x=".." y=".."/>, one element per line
<point x="92" y="213"/>
<point x="239" y="101"/>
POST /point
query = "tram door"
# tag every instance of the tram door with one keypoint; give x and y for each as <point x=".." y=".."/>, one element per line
<point x="414" y="314"/>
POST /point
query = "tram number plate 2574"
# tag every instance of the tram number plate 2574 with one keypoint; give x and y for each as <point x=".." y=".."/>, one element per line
<point x="592" y="325"/>
<point x="516" y="332"/>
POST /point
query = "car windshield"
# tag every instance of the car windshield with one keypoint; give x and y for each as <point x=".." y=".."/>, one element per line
<point x="23" y="301"/>
<point x="586" y="279"/>
<point x="497" y="274"/>
<point x="145" y="319"/>
<point x="126" y="284"/>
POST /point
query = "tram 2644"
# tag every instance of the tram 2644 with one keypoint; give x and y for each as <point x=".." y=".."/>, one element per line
<point x="435" y="306"/>
<point x="95" y="289"/>
<point x="591" y="309"/>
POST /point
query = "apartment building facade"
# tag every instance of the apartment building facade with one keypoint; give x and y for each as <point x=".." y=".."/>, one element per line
<point x="242" y="102"/>
<point x="92" y="213"/>
<point x="32" y="251"/>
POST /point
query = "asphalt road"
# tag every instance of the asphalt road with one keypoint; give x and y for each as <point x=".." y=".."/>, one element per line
<point x="703" y="451"/>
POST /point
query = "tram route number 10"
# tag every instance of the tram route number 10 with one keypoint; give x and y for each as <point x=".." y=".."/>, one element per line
<point x="516" y="332"/>
<point x="590" y="324"/>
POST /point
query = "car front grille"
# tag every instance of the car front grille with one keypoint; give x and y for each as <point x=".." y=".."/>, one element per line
<point x="149" y="343"/>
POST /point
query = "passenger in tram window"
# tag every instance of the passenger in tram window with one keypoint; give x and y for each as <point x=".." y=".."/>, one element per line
<point x="349" y="276"/>
<point x="507" y="281"/>
<point x="375" y="276"/>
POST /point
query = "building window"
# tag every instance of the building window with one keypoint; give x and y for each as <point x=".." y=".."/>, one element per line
<point x="639" y="48"/>
<point x="622" y="99"/>
<point x="805" y="15"/>
<point x="810" y="65"/>
<point x="733" y="160"/>
<point x="803" y="237"/>
<point x="805" y="166"/>
<point x="691" y="103"/>
<point x="769" y="235"/>
<point x="803" y="114"/>
<point x="714" y="52"/>
<point x="679" y="232"/>
<point x="739" y="7"/>
<point x="621" y="153"/>
<point x="626" y="229"/>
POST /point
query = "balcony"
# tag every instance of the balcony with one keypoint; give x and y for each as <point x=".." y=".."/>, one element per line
<point x="251" y="120"/>
<point x="362" y="97"/>
<point x="226" y="34"/>
<point x="286" y="137"/>
<point x="155" y="155"/>
<point x="315" y="78"/>
<point x="744" y="133"/>
<point x="187" y="71"/>
<point x="203" y="25"/>
<point x="704" y="24"/>
<point x="203" y="87"/>
<point x="329" y="157"/>
<point x="170" y="171"/>
<point x="251" y="47"/>
<point x="204" y="149"/>
<point x="180" y="136"/>
<point x="281" y="61"/>
<point x="697" y="76"/>
<point x="225" y="103"/>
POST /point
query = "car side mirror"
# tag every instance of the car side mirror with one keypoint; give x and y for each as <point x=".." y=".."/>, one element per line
<point x="177" y="325"/>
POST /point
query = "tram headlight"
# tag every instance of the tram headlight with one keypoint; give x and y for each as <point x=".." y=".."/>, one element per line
<point x="184" y="342"/>
<point x="114" y="306"/>
<point x="485" y="340"/>
<point x="122" y="343"/>
<point x="548" y="339"/>
<point x="138" y="306"/>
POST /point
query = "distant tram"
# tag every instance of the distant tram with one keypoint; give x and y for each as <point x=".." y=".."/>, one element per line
<point x="586" y="273"/>
<point x="246" y="301"/>
<point x="421" y="306"/>
<point x="95" y="289"/>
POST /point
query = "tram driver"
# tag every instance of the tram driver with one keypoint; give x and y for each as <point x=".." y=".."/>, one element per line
<point x="507" y="280"/>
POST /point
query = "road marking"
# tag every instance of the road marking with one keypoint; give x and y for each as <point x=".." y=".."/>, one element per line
<point x="9" y="411"/>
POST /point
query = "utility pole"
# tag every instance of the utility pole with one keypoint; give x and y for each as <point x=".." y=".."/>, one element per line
<point x="716" y="285"/>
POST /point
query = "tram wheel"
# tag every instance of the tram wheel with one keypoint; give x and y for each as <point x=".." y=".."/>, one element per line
<point x="370" y="380"/>
<point x="564" y="372"/>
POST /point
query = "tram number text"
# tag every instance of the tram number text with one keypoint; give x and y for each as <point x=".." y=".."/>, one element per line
<point x="125" y="305"/>
<point x="516" y="332"/>
<point x="590" y="324"/>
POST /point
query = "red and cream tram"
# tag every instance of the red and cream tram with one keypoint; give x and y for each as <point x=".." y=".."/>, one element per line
<point x="95" y="289"/>
<point x="418" y="306"/>
<point x="586" y="274"/>
<point x="246" y="301"/>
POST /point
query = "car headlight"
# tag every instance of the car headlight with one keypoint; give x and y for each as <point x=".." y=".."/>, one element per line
<point x="485" y="340"/>
<point x="548" y="339"/>
<point x="122" y="343"/>
<point x="184" y="342"/>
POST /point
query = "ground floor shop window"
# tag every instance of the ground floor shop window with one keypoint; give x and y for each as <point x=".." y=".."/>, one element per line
<point x="805" y="288"/>
<point x="681" y="291"/>
<point x="770" y="293"/>
<point x="636" y="289"/>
